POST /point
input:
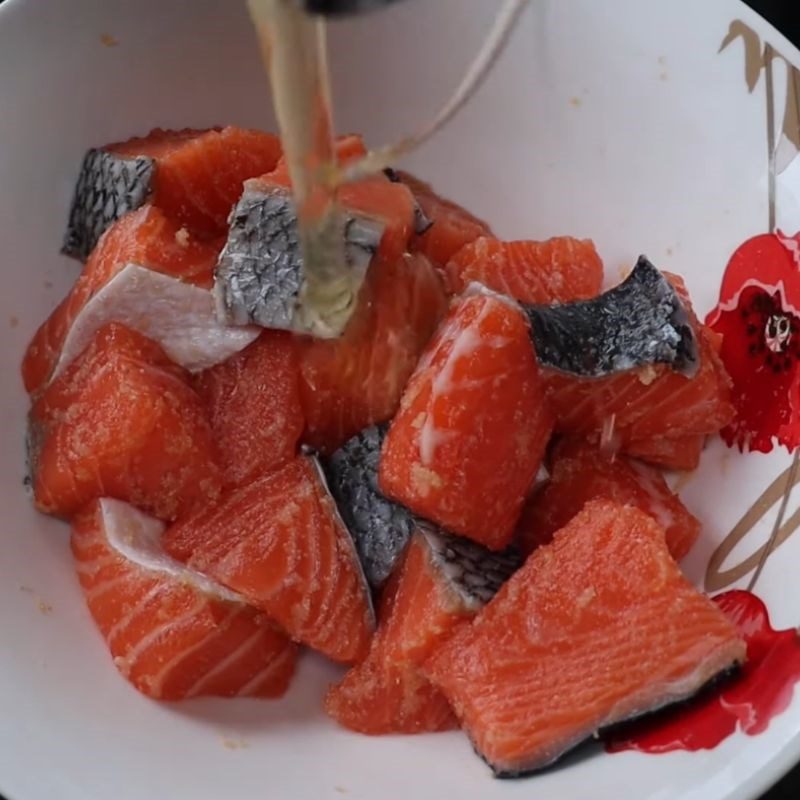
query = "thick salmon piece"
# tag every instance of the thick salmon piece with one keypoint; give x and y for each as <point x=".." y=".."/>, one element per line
<point x="122" y="422"/>
<point x="558" y="270"/>
<point x="145" y="237"/>
<point x="442" y="582"/>
<point x="355" y="381"/>
<point x="598" y="627"/>
<point x="452" y="228"/>
<point x="641" y="405"/>
<point x="473" y="424"/>
<point x="580" y="473"/>
<point x="279" y="542"/>
<point x="680" y="453"/>
<point x="253" y="404"/>
<point x="171" y="632"/>
<point x="194" y="176"/>
<point x="199" y="174"/>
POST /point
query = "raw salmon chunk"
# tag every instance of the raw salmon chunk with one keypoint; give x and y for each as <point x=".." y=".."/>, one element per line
<point x="122" y="423"/>
<point x="452" y="228"/>
<point x="145" y="237"/>
<point x="580" y="473"/>
<point x="598" y="627"/>
<point x="556" y="271"/>
<point x="680" y="453"/>
<point x="442" y="582"/>
<point x="655" y="402"/>
<point x="350" y="383"/>
<point x="171" y="632"/>
<point x="279" y="542"/>
<point x="253" y="403"/>
<point x="473" y="424"/>
<point x="199" y="174"/>
<point x="193" y="176"/>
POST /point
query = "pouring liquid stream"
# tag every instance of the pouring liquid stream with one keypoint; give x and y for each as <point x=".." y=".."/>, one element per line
<point x="293" y="47"/>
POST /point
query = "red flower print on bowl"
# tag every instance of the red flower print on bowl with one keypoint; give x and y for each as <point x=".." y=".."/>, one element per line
<point x="758" y="317"/>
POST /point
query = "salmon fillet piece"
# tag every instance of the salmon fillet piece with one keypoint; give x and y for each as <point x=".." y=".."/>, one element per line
<point x="193" y="176"/>
<point x="580" y="473"/>
<point x="199" y="173"/>
<point x="558" y="270"/>
<point x="172" y="633"/>
<point x="452" y="228"/>
<point x="473" y="424"/>
<point x="357" y="380"/>
<point x="651" y="403"/>
<point x="598" y="627"/>
<point x="279" y="542"/>
<point x="121" y="421"/>
<point x="145" y="237"/>
<point x="253" y="404"/>
<point x="680" y="453"/>
<point x="442" y="582"/>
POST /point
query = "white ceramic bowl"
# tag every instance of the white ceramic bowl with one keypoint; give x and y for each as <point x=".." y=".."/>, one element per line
<point x="617" y="120"/>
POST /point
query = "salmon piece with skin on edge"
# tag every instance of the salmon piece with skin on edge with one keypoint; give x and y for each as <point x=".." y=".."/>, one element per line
<point x="473" y="424"/>
<point x="199" y="173"/>
<point x="618" y="633"/>
<point x="279" y="542"/>
<point x="172" y="633"/>
<point x="145" y="237"/>
<point x="558" y="270"/>
<point x="580" y="472"/>
<point x="650" y="403"/>
<point x="441" y="583"/>
<point x="122" y="421"/>
<point x="193" y="176"/>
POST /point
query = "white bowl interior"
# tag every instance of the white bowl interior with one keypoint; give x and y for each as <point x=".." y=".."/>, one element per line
<point x="617" y="121"/>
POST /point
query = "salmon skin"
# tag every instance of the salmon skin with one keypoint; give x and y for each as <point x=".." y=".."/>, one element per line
<point x="279" y="542"/>
<point x="380" y="528"/>
<point x="596" y="628"/>
<point x="108" y="187"/>
<point x="441" y="583"/>
<point x="422" y="223"/>
<point x="179" y="316"/>
<point x="639" y="323"/>
<point x="144" y="237"/>
<point x="260" y="277"/>
<point x="172" y="633"/>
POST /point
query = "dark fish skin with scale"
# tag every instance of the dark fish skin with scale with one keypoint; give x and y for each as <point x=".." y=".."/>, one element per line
<point x="422" y="223"/>
<point x="108" y="187"/>
<point x="259" y="275"/>
<point x="472" y="571"/>
<point x="380" y="528"/>
<point x="639" y="323"/>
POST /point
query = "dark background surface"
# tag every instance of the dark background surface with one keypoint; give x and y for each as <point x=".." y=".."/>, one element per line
<point x="785" y="15"/>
